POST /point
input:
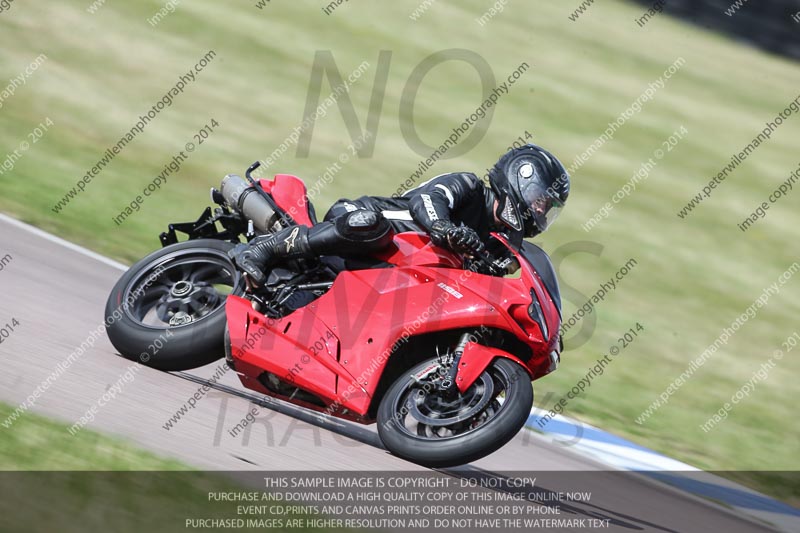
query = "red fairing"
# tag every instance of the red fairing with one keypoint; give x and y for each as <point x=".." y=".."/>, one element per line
<point x="413" y="248"/>
<point x="297" y="348"/>
<point x="338" y="346"/>
<point x="289" y="193"/>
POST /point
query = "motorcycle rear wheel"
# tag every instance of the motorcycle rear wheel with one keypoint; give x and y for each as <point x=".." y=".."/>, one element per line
<point x="431" y="429"/>
<point x="168" y="310"/>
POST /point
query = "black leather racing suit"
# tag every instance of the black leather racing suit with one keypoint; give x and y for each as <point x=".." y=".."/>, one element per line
<point x="459" y="197"/>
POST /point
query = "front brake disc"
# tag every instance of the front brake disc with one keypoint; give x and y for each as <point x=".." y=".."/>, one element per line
<point x="438" y="412"/>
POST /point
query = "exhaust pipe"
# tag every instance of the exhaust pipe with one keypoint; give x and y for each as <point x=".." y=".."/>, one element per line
<point x="243" y="198"/>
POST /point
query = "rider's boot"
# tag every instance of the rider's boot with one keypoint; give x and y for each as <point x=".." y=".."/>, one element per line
<point x="265" y="250"/>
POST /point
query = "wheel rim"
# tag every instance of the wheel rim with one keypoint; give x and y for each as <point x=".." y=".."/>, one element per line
<point x="180" y="289"/>
<point x="423" y="411"/>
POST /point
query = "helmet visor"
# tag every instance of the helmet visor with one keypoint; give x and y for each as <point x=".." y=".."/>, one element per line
<point x="544" y="206"/>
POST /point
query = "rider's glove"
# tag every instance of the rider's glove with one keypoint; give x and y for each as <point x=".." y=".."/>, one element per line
<point x="460" y="239"/>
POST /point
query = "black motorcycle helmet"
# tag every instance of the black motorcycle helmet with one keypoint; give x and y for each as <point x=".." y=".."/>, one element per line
<point x="532" y="187"/>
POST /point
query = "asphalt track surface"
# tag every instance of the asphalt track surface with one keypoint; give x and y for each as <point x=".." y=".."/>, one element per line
<point x="58" y="296"/>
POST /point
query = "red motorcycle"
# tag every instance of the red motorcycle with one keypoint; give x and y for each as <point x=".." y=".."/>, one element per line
<point x="437" y="348"/>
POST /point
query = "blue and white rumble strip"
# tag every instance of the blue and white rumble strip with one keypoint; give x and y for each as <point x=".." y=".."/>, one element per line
<point x="622" y="454"/>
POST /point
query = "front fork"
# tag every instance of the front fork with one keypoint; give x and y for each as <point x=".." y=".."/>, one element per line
<point x="448" y="384"/>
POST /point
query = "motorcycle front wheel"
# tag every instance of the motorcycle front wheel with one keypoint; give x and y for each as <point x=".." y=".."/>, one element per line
<point x="426" y="425"/>
<point x="168" y="310"/>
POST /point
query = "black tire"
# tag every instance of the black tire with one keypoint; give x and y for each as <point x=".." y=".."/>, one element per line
<point x="501" y="423"/>
<point x="168" y="310"/>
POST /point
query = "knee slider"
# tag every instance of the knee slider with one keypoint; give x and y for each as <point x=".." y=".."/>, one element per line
<point x="363" y="226"/>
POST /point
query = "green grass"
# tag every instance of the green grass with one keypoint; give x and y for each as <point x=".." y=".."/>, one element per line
<point x="80" y="484"/>
<point x="694" y="276"/>
<point x="36" y="443"/>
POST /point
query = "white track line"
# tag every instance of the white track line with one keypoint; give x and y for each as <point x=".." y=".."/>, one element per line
<point x="66" y="244"/>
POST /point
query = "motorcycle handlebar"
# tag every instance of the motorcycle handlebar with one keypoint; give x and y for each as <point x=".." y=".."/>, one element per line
<point x="483" y="256"/>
